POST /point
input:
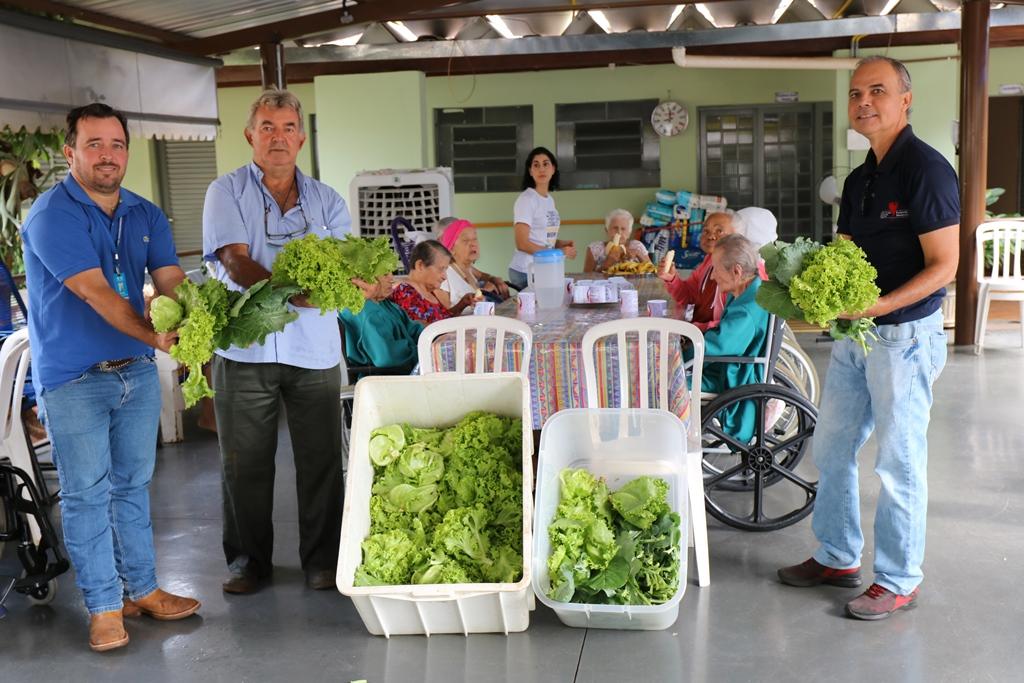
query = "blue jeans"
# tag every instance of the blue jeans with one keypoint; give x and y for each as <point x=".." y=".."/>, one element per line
<point x="517" y="278"/>
<point x="103" y="428"/>
<point x="889" y="390"/>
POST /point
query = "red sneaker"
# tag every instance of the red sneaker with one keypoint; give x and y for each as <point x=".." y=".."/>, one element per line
<point x="813" y="573"/>
<point x="878" y="603"/>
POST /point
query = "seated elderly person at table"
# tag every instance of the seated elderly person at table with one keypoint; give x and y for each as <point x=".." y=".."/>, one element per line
<point x="459" y="237"/>
<point x="742" y="331"/>
<point x="700" y="289"/>
<point x="417" y="296"/>
<point x="381" y="334"/>
<point x="604" y="254"/>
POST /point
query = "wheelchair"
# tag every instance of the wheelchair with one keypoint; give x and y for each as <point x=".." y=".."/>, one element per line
<point x="752" y="482"/>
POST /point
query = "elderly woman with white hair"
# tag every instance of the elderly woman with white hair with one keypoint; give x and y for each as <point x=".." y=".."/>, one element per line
<point x="700" y="291"/>
<point x="742" y="330"/>
<point x="602" y="255"/>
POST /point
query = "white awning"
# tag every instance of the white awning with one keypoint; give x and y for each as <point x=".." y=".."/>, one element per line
<point x="43" y="75"/>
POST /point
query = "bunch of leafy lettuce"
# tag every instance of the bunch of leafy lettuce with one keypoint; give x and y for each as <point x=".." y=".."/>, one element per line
<point x="323" y="268"/>
<point x="210" y="316"/>
<point x="619" y="547"/>
<point x="815" y="283"/>
<point x="446" y="504"/>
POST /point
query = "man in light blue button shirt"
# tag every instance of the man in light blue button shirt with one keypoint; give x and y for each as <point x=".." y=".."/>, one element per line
<point x="248" y="216"/>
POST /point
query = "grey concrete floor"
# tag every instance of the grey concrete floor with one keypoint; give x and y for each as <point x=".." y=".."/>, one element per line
<point x="969" y="625"/>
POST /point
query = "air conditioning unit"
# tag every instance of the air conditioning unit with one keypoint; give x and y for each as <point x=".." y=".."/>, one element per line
<point x="421" y="196"/>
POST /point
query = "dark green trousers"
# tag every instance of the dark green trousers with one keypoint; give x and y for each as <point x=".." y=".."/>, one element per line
<point x="248" y="402"/>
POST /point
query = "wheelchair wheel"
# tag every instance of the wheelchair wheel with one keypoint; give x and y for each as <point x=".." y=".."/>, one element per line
<point x="754" y="486"/>
<point x="794" y="363"/>
<point x="41" y="594"/>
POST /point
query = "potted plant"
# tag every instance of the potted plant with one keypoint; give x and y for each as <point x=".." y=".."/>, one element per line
<point x="22" y="178"/>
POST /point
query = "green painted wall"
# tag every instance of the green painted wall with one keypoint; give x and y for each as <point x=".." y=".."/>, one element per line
<point x="233" y="108"/>
<point x="679" y="165"/>
<point x="141" y="174"/>
<point x="369" y="122"/>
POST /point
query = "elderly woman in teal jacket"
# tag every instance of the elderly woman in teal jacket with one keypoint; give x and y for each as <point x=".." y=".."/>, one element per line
<point x="381" y="334"/>
<point x="742" y="331"/>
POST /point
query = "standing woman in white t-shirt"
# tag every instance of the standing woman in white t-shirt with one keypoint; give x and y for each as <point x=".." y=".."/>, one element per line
<point x="535" y="216"/>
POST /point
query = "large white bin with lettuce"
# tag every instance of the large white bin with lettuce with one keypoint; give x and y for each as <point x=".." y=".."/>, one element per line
<point x="438" y="400"/>
<point x="619" y="445"/>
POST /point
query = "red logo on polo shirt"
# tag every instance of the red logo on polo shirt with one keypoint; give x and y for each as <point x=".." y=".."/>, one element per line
<point x="893" y="210"/>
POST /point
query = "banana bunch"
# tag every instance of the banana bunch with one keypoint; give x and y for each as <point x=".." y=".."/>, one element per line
<point x="631" y="268"/>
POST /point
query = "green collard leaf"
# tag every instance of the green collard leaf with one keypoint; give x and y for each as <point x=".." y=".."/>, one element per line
<point x="788" y="259"/>
<point x="774" y="298"/>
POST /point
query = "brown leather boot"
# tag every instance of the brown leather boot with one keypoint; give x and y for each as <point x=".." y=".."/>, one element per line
<point x="161" y="605"/>
<point x="106" y="631"/>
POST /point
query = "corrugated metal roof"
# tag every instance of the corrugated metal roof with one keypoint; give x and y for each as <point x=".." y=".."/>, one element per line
<point x="201" y="19"/>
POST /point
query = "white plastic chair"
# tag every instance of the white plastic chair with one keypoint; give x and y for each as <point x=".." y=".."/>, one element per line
<point x="1005" y="282"/>
<point x="14" y="362"/>
<point x="663" y="328"/>
<point x="481" y="324"/>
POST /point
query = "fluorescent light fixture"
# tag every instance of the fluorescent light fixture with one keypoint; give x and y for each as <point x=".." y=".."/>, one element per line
<point x="499" y="25"/>
<point x="703" y="9"/>
<point x="675" y="15"/>
<point x="403" y="31"/>
<point x="781" y="9"/>
<point x="347" y="41"/>
<point x="600" y="19"/>
<point x="889" y="6"/>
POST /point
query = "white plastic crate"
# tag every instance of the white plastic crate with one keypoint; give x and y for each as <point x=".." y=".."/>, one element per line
<point x="619" y="445"/>
<point x="432" y="401"/>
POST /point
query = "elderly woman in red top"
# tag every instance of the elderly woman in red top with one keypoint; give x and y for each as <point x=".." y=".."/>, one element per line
<point x="700" y="290"/>
<point x="417" y="296"/>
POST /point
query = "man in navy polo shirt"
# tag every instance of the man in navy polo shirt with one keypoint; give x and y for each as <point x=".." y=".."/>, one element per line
<point x="902" y="207"/>
<point x="88" y="245"/>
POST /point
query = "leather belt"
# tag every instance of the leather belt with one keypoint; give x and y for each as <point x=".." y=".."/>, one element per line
<point x="111" y="365"/>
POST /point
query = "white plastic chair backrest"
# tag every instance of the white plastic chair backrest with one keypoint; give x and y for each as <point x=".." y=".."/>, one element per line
<point x="14" y="361"/>
<point x="663" y="328"/>
<point x="1007" y="238"/>
<point x="481" y="324"/>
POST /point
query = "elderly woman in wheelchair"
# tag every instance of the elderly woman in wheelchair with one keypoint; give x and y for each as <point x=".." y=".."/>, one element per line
<point x="755" y="423"/>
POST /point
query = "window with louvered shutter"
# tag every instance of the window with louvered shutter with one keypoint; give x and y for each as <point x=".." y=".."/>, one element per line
<point x="186" y="169"/>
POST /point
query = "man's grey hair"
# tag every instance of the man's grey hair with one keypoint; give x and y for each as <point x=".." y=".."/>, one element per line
<point x="617" y="213"/>
<point x="738" y="224"/>
<point x="275" y="99"/>
<point x="899" y="67"/>
<point x="737" y="250"/>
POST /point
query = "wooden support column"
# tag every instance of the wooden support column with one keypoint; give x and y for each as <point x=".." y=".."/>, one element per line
<point x="973" y="158"/>
<point x="272" y="65"/>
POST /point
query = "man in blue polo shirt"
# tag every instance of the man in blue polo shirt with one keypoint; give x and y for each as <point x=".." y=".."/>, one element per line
<point x="902" y="207"/>
<point x="248" y="216"/>
<point x="88" y="245"/>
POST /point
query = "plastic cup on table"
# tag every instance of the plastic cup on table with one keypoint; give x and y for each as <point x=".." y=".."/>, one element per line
<point x="526" y="303"/>
<point x="581" y="293"/>
<point x="657" y="308"/>
<point x="629" y="301"/>
<point x="483" y="308"/>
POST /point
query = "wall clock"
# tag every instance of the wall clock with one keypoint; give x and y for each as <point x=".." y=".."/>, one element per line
<point x="670" y="118"/>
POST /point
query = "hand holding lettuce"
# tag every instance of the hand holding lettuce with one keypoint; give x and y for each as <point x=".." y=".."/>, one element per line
<point x="210" y="316"/>
<point x="817" y="284"/>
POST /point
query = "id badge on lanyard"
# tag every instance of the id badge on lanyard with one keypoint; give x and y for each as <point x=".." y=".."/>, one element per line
<point x="120" y="281"/>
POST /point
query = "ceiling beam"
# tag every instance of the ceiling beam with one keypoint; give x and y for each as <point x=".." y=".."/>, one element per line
<point x="246" y="75"/>
<point x="98" y="18"/>
<point x="365" y="12"/>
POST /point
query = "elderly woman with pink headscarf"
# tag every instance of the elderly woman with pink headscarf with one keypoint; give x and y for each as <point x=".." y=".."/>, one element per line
<point x="459" y="237"/>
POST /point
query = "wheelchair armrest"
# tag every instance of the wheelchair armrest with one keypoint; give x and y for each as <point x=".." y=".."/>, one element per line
<point x="734" y="359"/>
